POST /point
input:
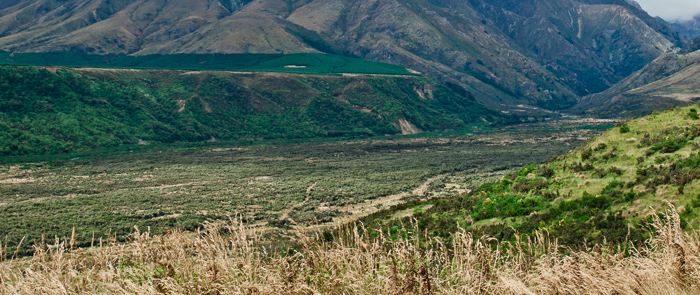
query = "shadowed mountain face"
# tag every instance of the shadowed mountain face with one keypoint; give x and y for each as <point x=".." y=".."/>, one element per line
<point x="672" y="79"/>
<point x="521" y="56"/>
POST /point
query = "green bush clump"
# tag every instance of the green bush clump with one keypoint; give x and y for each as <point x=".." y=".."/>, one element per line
<point x="586" y="154"/>
<point x="612" y="187"/>
<point x="528" y="169"/>
<point x="695" y="202"/>
<point x="495" y="187"/>
<point x="585" y="206"/>
<point x="692" y="161"/>
<point x="506" y="206"/>
<point x="525" y="185"/>
<point x="630" y="196"/>
<point x="601" y="146"/>
<point x="670" y="144"/>
<point x="546" y="172"/>
<point x="580" y="167"/>
<point x="616" y="170"/>
<point x="624" y="128"/>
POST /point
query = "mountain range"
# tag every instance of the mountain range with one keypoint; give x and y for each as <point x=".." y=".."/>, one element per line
<point x="534" y="57"/>
<point x="688" y="28"/>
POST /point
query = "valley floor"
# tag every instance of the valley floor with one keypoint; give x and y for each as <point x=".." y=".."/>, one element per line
<point x="271" y="186"/>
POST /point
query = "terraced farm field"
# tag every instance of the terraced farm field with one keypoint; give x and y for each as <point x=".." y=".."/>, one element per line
<point x="272" y="186"/>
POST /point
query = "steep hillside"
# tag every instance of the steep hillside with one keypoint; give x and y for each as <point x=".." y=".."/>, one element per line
<point x="672" y="79"/>
<point x="589" y="194"/>
<point x="590" y="46"/>
<point x="62" y="110"/>
<point x="513" y="55"/>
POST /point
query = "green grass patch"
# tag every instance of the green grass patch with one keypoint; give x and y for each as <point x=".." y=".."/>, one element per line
<point x="307" y="63"/>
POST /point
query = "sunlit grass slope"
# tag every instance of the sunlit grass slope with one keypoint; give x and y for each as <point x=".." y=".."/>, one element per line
<point x="606" y="189"/>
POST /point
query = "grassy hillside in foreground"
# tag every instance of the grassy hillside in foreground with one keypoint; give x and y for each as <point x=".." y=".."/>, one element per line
<point x="308" y="63"/>
<point x="226" y="259"/>
<point x="53" y="111"/>
<point x="588" y="195"/>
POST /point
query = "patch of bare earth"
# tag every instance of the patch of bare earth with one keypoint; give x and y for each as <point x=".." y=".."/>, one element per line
<point x="285" y="213"/>
<point x="408" y="128"/>
<point x="683" y="97"/>
<point x="356" y="211"/>
<point x="16" y="180"/>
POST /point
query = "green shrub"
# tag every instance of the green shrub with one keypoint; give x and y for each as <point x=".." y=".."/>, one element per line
<point x="528" y="169"/>
<point x="670" y="144"/>
<point x="696" y="201"/>
<point x="546" y="172"/>
<point x="586" y="154"/>
<point x="616" y="170"/>
<point x="600" y="146"/>
<point x="630" y="196"/>
<point x="579" y="167"/>
<point x="624" y="128"/>
<point x="612" y="186"/>
<point x="506" y="206"/>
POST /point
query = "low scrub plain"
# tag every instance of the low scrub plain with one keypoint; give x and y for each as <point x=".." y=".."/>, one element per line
<point x="271" y="185"/>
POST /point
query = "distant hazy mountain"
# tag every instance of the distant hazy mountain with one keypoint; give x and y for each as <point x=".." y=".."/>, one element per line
<point x="511" y="54"/>
<point x="690" y="28"/>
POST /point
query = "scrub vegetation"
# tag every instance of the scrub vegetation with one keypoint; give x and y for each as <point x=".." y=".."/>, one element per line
<point x="272" y="185"/>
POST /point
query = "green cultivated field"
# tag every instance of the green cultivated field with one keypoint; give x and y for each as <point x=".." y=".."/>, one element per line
<point x="306" y="63"/>
<point x="272" y="186"/>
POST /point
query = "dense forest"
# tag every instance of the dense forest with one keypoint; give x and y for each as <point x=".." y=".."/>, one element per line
<point x="62" y="111"/>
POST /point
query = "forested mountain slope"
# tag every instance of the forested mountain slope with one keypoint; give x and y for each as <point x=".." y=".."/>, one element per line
<point x="59" y="110"/>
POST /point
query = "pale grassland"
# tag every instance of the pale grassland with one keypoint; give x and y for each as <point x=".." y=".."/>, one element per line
<point x="228" y="259"/>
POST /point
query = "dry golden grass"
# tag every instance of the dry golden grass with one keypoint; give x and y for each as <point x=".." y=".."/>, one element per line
<point x="229" y="259"/>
